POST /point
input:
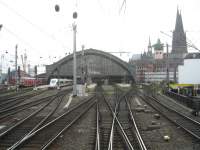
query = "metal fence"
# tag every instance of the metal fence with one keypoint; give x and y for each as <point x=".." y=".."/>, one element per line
<point x="191" y="102"/>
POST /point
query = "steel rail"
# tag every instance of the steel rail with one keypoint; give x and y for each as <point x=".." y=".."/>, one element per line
<point x="97" y="145"/>
<point x="15" y="94"/>
<point x="182" y="115"/>
<point x="39" y="124"/>
<point x="68" y="126"/>
<point x="165" y="105"/>
<point x="5" y="90"/>
<point x="138" y="135"/>
<point x="17" y="101"/>
<point x="52" y="122"/>
<point x="7" y="100"/>
<point x="33" y="103"/>
<point x="125" y="137"/>
<point x="28" y="103"/>
<point x="105" y="119"/>
<point x="177" y="122"/>
<point x="18" y="96"/>
<point x="110" y="145"/>
<point x="22" y="121"/>
<point x="21" y="108"/>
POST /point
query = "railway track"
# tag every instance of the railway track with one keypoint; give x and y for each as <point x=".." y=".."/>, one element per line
<point x="115" y="125"/>
<point x="54" y="128"/>
<point x="4" y="91"/>
<point x="13" y="107"/>
<point x="190" y="125"/>
<point x="8" y="103"/>
<point x="12" y="93"/>
<point x="119" y="131"/>
<point x="11" y="112"/>
<point x="138" y="140"/>
<point x="19" y="108"/>
<point x="28" y="124"/>
<point x="104" y="123"/>
<point x="128" y="122"/>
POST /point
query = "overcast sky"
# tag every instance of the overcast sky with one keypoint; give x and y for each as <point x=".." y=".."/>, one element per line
<point x="102" y="24"/>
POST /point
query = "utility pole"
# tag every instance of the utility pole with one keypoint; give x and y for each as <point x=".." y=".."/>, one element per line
<point x="85" y="70"/>
<point x="8" y="78"/>
<point x="16" y="76"/>
<point x="82" y="67"/>
<point x="58" y="74"/>
<point x="74" y="56"/>
<point x="19" y="75"/>
<point x="35" y="71"/>
<point x="167" y="64"/>
<point x="25" y="61"/>
<point x="1" y="64"/>
<point x="175" y="70"/>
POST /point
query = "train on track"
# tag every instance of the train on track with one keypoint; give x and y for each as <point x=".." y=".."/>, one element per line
<point x="57" y="83"/>
<point x="28" y="81"/>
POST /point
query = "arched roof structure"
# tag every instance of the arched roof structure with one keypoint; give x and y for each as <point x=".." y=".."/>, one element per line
<point x="97" y="63"/>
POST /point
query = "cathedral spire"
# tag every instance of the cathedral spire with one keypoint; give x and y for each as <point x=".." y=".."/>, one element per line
<point x="149" y="47"/>
<point x="179" y="46"/>
<point x="149" y="42"/>
<point x="179" y="22"/>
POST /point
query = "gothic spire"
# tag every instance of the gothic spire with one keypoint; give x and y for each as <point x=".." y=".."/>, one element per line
<point x="149" y="47"/>
<point x="179" y="45"/>
<point x="149" y="42"/>
<point x="179" y="22"/>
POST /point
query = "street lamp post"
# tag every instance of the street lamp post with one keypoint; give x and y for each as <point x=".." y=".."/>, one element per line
<point x="82" y="67"/>
<point x="74" y="26"/>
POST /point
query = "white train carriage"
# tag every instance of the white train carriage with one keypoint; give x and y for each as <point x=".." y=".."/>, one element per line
<point x="57" y="83"/>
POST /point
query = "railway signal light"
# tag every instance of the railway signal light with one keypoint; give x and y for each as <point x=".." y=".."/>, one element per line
<point x="75" y="15"/>
<point x="57" y="8"/>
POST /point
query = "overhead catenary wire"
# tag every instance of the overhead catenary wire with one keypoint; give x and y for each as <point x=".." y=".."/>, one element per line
<point x="189" y="44"/>
<point x="41" y="30"/>
<point x="123" y="6"/>
<point x="18" y="37"/>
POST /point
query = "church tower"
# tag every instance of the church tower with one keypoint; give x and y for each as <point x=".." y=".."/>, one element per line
<point x="158" y="50"/>
<point x="179" y="46"/>
<point x="149" y="48"/>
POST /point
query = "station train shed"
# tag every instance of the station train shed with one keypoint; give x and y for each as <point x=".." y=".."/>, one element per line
<point x="92" y="65"/>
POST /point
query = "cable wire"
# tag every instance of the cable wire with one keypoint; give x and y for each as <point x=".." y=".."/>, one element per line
<point x="32" y="24"/>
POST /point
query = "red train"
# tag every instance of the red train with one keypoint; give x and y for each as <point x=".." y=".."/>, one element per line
<point x="28" y="81"/>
